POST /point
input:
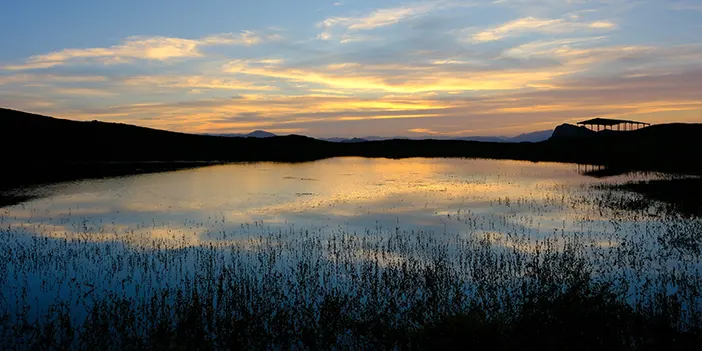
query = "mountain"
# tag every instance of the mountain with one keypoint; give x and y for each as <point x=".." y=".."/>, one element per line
<point x="346" y="140"/>
<point x="260" y="134"/>
<point x="570" y="131"/>
<point x="335" y="140"/>
<point x="55" y="140"/>
<point x="362" y="139"/>
<point x="533" y="137"/>
<point x="254" y="134"/>
<point x="40" y="148"/>
<point x="527" y="137"/>
<point x="484" y="139"/>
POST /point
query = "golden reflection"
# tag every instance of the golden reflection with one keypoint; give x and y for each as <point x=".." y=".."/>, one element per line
<point x="208" y="205"/>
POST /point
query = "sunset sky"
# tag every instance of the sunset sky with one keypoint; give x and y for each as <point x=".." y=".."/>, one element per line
<point x="353" y="67"/>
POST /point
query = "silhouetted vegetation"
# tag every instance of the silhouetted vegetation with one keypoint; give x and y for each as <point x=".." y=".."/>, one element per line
<point x="382" y="289"/>
<point x="45" y="148"/>
<point x="578" y="315"/>
<point x="548" y="299"/>
<point x="682" y="196"/>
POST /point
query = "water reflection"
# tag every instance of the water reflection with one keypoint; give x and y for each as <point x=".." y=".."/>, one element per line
<point x="196" y="206"/>
<point x="358" y="193"/>
<point x="115" y="225"/>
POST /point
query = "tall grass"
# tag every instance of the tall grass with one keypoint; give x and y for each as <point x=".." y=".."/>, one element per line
<point x="610" y="277"/>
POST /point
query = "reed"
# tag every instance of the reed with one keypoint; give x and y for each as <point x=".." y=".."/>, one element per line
<point x="624" y="277"/>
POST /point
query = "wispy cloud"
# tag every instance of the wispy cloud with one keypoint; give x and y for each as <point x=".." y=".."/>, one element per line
<point x="422" y="131"/>
<point x="549" y="8"/>
<point x="421" y="67"/>
<point x="18" y="78"/>
<point x="354" y="37"/>
<point x="519" y="110"/>
<point x="401" y="78"/>
<point x="338" y="26"/>
<point x="82" y="92"/>
<point x="537" y="25"/>
<point x="195" y="82"/>
<point x="156" y="48"/>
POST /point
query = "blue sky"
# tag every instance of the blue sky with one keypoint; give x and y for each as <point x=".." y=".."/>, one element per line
<point x="354" y="68"/>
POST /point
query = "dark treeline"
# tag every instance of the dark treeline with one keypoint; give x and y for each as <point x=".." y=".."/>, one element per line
<point x="39" y="148"/>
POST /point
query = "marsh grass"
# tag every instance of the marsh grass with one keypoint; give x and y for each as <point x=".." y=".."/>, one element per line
<point x="634" y="283"/>
<point x="683" y="195"/>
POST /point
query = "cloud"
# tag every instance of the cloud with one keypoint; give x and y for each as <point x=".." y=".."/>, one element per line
<point x="156" y="48"/>
<point x="380" y="18"/>
<point x="449" y="62"/>
<point x="351" y="38"/>
<point x="539" y="70"/>
<point x="244" y="38"/>
<point x="547" y="8"/>
<point x="195" y="82"/>
<point x="574" y="51"/>
<point x="460" y="93"/>
<point x="82" y="92"/>
<point x="422" y="131"/>
<point x="376" y="19"/>
<point x="400" y="78"/>
<point x="536" y="25"/>
<point x="546" y="47"/>
<point x="649" y="98"/>
<point x="49" y="78"/>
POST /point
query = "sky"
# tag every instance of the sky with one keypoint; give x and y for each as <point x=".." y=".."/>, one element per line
<point x="345" y="68"/>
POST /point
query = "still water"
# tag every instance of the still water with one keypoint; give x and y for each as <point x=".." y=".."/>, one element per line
<point x="134" y="235"/>
<point x="355" y="193"/>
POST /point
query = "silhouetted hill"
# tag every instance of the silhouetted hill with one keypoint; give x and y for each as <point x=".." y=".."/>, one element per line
<point x="526" y="137"/>
<point x="254" y="134"/>
<point x="38" y="139"/>
<point x="345" y="140"/>
<point x="484" y="139"/>
<point x="354" y="140"/>
<point x="39" y="147"/>
<point x="260" y="134"/>
<point x="532" y="137"/>
<point x="675" y="146"/>
<point x="571" y="131"/>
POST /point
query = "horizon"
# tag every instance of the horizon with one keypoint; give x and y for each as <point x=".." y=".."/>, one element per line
<point x="378" y="136"/>
<point x="440" y="68"/>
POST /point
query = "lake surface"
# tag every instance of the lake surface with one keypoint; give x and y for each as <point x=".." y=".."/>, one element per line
<point x="354" y="193"/>
<point x="134" y="235"/>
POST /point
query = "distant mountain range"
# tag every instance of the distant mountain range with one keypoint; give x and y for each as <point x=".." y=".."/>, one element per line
<point x="41" y="148"/>
<point x="533" y="137"/>
<point x="254" y="134"/>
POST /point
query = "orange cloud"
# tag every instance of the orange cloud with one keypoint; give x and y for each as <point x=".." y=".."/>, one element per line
<point x="147" y="48"/>
<point x="195" y="82"/>
<point x="431" y="79"/>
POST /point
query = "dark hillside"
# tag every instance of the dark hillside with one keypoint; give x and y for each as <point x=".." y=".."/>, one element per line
<point x="37" y="138"/>
<point x="668" y="147"/>
<point x="39" y="148"/>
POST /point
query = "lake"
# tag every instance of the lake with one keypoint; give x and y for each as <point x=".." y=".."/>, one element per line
<point x="295" y="232"/>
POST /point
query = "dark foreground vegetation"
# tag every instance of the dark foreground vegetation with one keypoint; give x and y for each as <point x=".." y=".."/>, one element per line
<point x="226" y="314"/>
<point x="683" y="195"/>
<point x="549" y="300"/>
<point x="633" y="288"/>
<point x="42" y="149"/>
